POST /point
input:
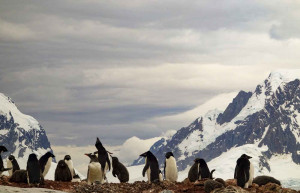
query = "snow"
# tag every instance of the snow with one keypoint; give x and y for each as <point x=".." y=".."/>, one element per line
<point x="25" y="121"/>
<point x="295" y="130"/>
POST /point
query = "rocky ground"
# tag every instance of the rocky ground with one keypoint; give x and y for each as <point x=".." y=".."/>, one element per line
<point x="144" y="187"/>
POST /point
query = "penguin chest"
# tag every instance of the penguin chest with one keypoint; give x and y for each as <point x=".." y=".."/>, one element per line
<point x="94" y="172"/>
<point x="251" y="174"/>
<point x="47" y="166"/>
<point x="9" y="165"/>
<point x="171" y="169"/>
<point x="149" y="174"/>
<point x="199" y="172"/>
<point x="70" y="165"/>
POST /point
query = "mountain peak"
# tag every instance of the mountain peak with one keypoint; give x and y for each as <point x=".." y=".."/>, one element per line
<point x="9" y="109"/>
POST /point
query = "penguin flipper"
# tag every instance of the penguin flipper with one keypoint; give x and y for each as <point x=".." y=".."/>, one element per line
<point x="247" y="174"/>
<point x="235" y="171"/>
<point x="211" y="174"/>
<point x="108" y="162"/>
<point x="114" y="173"/>
<point x="165" y="170"/>
<point x="5" y="169"/>
<point x="147" y="165"/>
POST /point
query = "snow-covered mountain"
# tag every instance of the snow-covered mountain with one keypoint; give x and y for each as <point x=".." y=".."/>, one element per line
<point x="21" y="134"/>
<point x="264" y="123"/>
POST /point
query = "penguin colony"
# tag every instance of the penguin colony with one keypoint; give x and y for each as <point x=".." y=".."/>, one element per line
<point x="100" y="164"/>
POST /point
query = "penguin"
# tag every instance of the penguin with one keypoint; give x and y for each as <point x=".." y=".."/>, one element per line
<point x="34" y="174"/>
<point x="160" y="176"/>
<point x="205" y="173"/>
<point x="62" y="172"/>
<point x="69" y="162"/>
<point x="19" y="176"/>
<point x="119" y="170"/>
<point x="263" y="180"/>
<point x="94" y="173"/>
<point x="103" y="157"/>
<point x="170" y="169"/>
<point x="12" y="163"/>
<point x="244" y="171"/>
<point x="151" y="166"/>
<point x="195" y="171"/>
<point x="45" y="162"/>
<point x="2" y="169"/>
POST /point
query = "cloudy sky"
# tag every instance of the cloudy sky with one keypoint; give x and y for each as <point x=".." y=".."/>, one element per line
<point x="117" y="69"/>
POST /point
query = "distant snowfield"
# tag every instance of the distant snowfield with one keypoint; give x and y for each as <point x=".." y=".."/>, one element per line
<point x="225" y="165"/>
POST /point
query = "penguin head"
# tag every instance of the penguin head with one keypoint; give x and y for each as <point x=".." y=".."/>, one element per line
<point x="202" y="162"/>
<point x="146" y="154"/>
<point x="11" y="157"/>
<point x="49" y="154"/>
<point x="98" y="144"/>
<point x="2" y="149"/>
<point x="115" y="159"/>
<point x="62" y="164"/>
<point x="93" y="157"/>
<point x="32" y="157"/>
<point x="197" y="160"/>
<point x="169" y="154"/>
<point x="67" y="157"/>
<point x="246" y="156"/>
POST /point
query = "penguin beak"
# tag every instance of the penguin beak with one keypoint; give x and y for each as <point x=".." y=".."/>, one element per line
<point x="97" y="141"/>
<point x="86" y="154"/>
<point x="144" y="154"/>
<point x="249" y="157"/>
<point x="109" y="152"/>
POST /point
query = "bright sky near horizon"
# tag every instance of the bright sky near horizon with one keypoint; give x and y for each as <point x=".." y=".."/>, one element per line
<point x="117" y="69"/>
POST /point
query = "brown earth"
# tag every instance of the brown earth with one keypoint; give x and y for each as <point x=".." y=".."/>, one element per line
<point x="145" y="187"/>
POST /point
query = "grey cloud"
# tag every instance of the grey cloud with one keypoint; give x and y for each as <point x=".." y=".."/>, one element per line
<point x="83" y="67"/>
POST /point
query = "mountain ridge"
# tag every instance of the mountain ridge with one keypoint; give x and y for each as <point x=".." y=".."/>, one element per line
<point x="255" y="119"/>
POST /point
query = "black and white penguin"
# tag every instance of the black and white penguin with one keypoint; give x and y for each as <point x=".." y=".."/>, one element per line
<point x="103" y="157"/>
<point x="151" y="166"/>
<point x="263" y="180"/>
<point x="205" y="173"/>
<point x="45" y="162"/>
<point x="195" y="171"/>
<point x="2" y="169"/>
<point x="94" y="173"/>
<point x="12" y="163"/>
<point x="244" y="171"/>
<point x="170" y="169"/>
<point x="119" y="170"/>
<point x="19" y="176"/>
<point x="69" y="162"/>
<point x="62" y="172"/>
<point x="34" y="174"/>
<point x="160" y="176"/>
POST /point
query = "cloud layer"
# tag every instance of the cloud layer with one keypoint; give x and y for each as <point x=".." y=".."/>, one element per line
<point x="121" y="69"/>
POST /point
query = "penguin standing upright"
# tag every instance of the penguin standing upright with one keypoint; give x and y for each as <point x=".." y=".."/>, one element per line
<point x="45" y="162"/>
<point x="12" y="163"/>
<point x="195" y="171"/>
<point x="151" y="166"/>
<point x="2" y="169"/>
<point x="119" y="170"/>
<point x="62" y="172"/>
<point x="170" y="169"/>
<point x="69" y="162"/>
<point x="205" y="173"/>
<point x="244" y="171"/>
<point x="94" y="172"/>
<point x="103" y="157"/>
<point x="34" y="175"/>
<point x="160" y="176"/>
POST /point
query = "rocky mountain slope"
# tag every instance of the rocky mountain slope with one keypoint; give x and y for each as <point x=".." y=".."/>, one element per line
<point x="267" y="120"/>
<point x="21" y="134"/>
